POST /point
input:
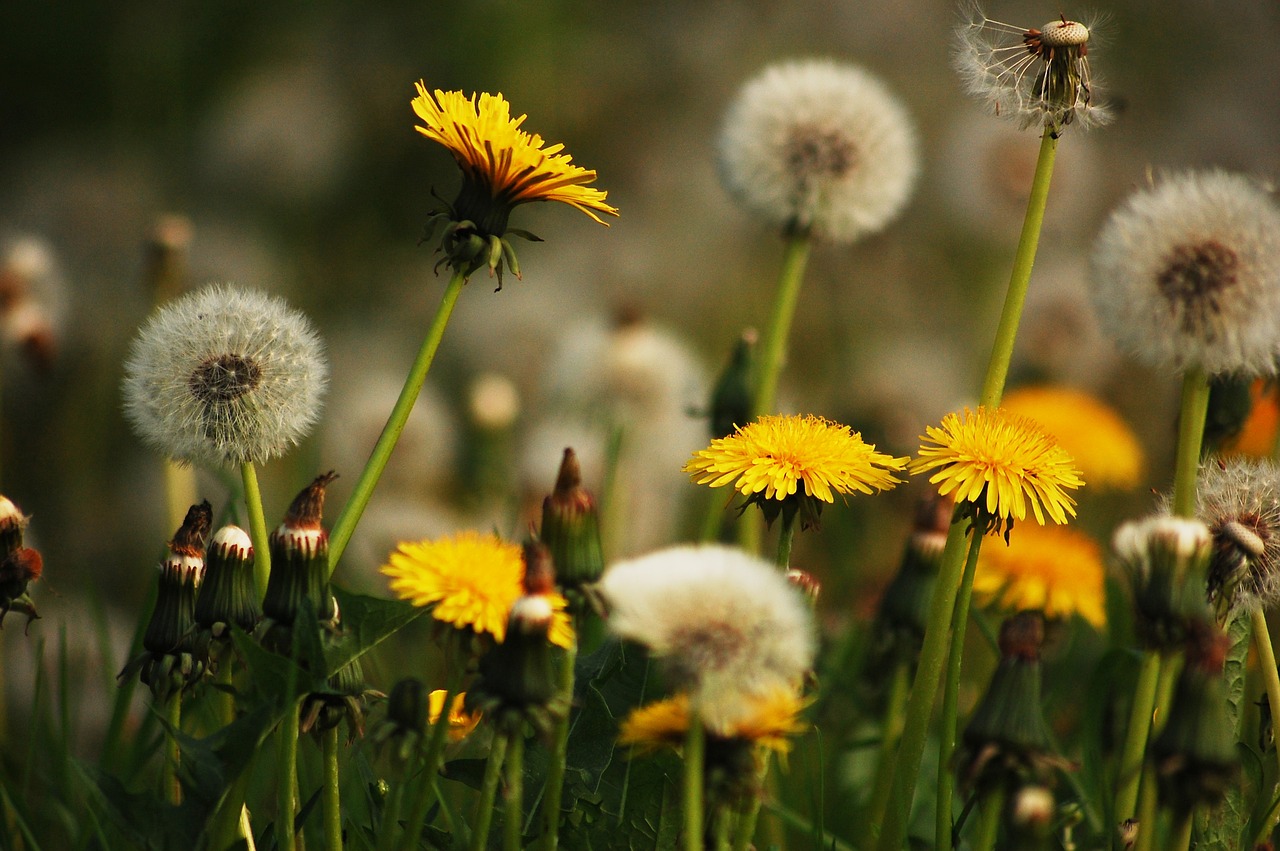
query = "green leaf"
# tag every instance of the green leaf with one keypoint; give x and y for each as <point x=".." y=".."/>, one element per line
<point x="366" y="623"/>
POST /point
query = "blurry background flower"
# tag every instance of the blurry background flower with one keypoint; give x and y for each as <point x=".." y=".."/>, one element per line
<point x="1055" y="570"/>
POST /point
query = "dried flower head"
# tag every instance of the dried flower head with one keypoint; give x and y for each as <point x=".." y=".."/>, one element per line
<point x="726" y="625"/>
<point x="1057" y="571"/>
<point x="1037" y="77"/>
<point x="1239" y="500"/>
<point x="1186" y="274"/>
<point x="502" y="167"/>
<point x="1091" y="432"/>
<point x="224" y="376"/>
<point x="999" y="462"/>
<point x="817" y="146"/>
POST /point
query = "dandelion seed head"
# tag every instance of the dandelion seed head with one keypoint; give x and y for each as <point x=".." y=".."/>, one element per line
<point x="819" y="146"/>
<point x="1239" y="500"/>
<point x="225" y="376"/>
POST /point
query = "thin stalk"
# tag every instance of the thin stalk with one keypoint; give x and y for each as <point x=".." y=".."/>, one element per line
<point x="257" y="527"/>
<point x="488" y="791"/>
<point x="430" y="765"/>
<point x="513" y="811"/>
<point x="1135" y="741"/>
<point x="364" y="487"/>
<point x="723" y="821"/>
<point x="287" y="781"/>
<point x="695" y="743"/>
<point x="1020" y="277"/>
<point x="1271" y="682"/>
<point x="714" y="516"/>
<point x="892" y="732"/>
<point x="224" y="828"/>
<point x="559" y="754"/>
<point x="786" y="535"/>
<point x="173" y="754"/>
<point x="331" y="800"/>
<point x="746" y="829"/>
<point x="915" y="728"/>
<point x="1195" y="403"/>
<point x="1148" y="799"/>
<point x="950" y="697"/>
<point x="988" y="829"/>
<point x="773" y="350"/>
<point x="1181" y="838"/>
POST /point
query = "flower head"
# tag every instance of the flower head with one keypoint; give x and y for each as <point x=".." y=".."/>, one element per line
<point x="819" y="146"/>
<point x="1091" y="432"/>
<point x="1038" y="77"/>
<point x="461" y="722"/>
<point x="1057" y="571"/>
<point x="767" y="721"/>
<point x="224" y="376"/>
<point x="726" y="625"/>
<point x="999" y="462"/>
<point x="1239" y="500"/>
<point x="502" y="166"/>
<point x="770" y="459"/>
<point x="471" y="581"/>
<point x="1186" y="274"/>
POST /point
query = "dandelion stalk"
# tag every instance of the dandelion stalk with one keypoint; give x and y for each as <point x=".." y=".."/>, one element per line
<point x="488" y="791"/>
<point x="890" y="735"/>
<point x="991" y="806"/>
<point x="257" y="527"/>
<point x="1271" y="682"/>
<point x="694" y="757"/>
<point x="555" y="773"/>
<point x="1195" y="404"/>
<point x="430" y="764"/>
<point x="786" y="535"/>
<point x="173" y="754"/>
<point x="287" y="780"/>
<point x="1136" y="735"/>
<point x="381" y="454"/>
<point x="514" y="793"/>
<point x="773" y="350"/>
<point x="331" y="801"/>
<point x="746" y="829"/>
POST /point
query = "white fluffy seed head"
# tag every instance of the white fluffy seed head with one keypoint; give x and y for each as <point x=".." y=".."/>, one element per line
<point x="224" y="376"/>
<point x="816" y="145"/>
<point x="1186" y="275"/>
<point x="726" y="625"/>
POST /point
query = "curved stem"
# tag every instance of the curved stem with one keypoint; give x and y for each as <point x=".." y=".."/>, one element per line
<point x="1271" y="682"/>
<point x="331" y="800"/>
<point x="555" y="773"/>
<point x="257" y="527"/>
<point x="363" y="491"/>
<point x="488" y="791"/>
<point x="774" y="347"/>
<point x="694" y="754"/>
<point x="1020" y="277"/>
<point x="950" y="697"/>
<point x="1195" y="403"/>
<point x="513" y="812"/>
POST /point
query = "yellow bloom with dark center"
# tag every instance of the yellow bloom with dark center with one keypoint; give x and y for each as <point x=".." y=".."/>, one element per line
<point x="1057" y="571"/>
<point x="999" y="462"/>
<point x="773" y="456"/>
<point x="471" y="581"/>
<point x="499" y="159"/>
<point x="461" y="722"/>
<point x="1092" y="432"/>
<point x="766" y="721"/>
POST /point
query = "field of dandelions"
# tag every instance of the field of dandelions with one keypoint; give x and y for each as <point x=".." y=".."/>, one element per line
<point x="895" y="470"/>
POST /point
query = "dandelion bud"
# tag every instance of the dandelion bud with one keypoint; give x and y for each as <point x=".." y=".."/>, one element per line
<point x="190" y="537"/>
<point x="345" y="697"/>
<point x="734" y="394"/>
<point x="904" y="607"/>
<point x="1160" y="554"/>
<point x="539" y="572"/>
<point x="517" y="680"/>
<point x="17" y="569"/>
<point x="1127" y="832"/>
<point x="571" y="528"/>
<point x="300" y="560"/>
<point x="170" y="660"/>
<point x="227" y="595"/>
<point x="12" y="524"/>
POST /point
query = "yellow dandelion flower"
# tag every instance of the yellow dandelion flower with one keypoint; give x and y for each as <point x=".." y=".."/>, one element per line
<point x="999" y="462"/>
<point x="1090" y="431"/>
<point x="461" y="722"/>
<point x="772" y="457"/>
<point x="470" y="580"/>
<point x="766" y="721"/>
<point x="1057" y="571"/>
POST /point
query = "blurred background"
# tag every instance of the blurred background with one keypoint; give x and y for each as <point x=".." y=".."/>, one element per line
<point x="274" y="142"/>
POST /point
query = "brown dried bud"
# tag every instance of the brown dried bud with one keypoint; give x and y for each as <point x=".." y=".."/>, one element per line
<point x="190" y="538"/>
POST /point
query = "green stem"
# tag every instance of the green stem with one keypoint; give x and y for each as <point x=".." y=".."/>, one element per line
<point x="714" y="516"/>
<point x="992" y="807"/>
<point x="1181" y="838"/>
<point x="1271" y="682"/>
<point x="363" y="491"/>
<point x="559" y="754"/>
<point x="802" y="825"/>
<point x="488" y="791"/>
<point x="786" y="535"/>
<point x="1195" y="403"/>
<point x="331" y="795"/>
<point x="1148" y="799"/>
<point x="257" y="527"/>
<point x="431" y="765"/>
<point x="173" y="754"/>
<point x="746" y="830"/>
<point x="774" y="348"/>
<point x="950" y="697"/>
<point x="694" y="756"/>
<point x="1135" y="742"/>
<point x="224" y="828"/>
<point x="1020" y="277"/>
<point x="513" y="795"/>
<point x="722" y="820"/>
<point x="892" y="732"/>
<point x="915" y="729"/>
<point x="287" y="781"/>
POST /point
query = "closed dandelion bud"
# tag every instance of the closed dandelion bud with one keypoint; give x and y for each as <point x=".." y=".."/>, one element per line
<point x="300" y="559"/>
<point x="227" y="595"/>
<point x="1195" y="754"/>
<point x="169" y="641"/>
<point x="12" y="524"/>
<point x="904" y="608"/>
<point x="571" y="528"/>
<point x="1160" y="555"/>
<point x="1030" y="818"/>
<point x="19" y="568"/>
<point x="734" y="394"/>
<point x="345" y="697"/>
<point x="406" y="720"/>
<point x="517" y="680"/>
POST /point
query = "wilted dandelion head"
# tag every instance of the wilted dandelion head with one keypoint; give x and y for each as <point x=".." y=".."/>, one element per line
<point x="819" y="146"/>
<point x="1187" y="274"/>
<point x="726" y="625"/>
<point x="1037" y="77"/>
<point x="224" y="376"/>
<point x="1239" y="500"/>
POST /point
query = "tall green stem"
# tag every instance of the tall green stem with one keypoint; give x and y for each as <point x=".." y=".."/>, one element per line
<point x="950" y="696"/>
<point x="431" y="764"/>
<point x="1271" y="682"/>
<point x="1195" y="403"/>
<point x="363" y="491"/>
<point x="1135" y="740"/>
<point x="695" y="744"/>
<point x="774" y="349"/>
<point x="992" y="806"/>
<point x="257" y="526"/>
<point x="1019" y="279"/>
<point x="331" y="800"/>
<point x="746" y="829"/>
<point x="559" y="754"/>
<point x="891" y="732"/>
<point x="287" y="780"/>
<point x="513" y="811"/>
<point x="488" y="791"/>
<point x="915" y="729"/>
<point x="786" y="535"/>
<point x="1148" y="800"/>
<point x="173" y="754"/>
